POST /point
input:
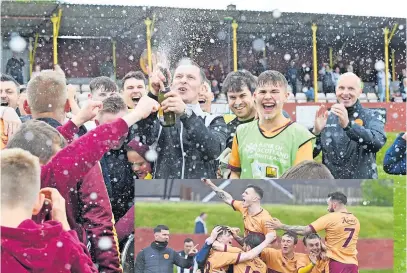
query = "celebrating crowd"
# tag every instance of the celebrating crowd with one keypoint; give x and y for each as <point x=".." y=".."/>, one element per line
<point x="258" y="251"/>
<point x="54" y="152"/>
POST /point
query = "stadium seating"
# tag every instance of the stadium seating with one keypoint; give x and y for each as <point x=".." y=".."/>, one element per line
<point x="321" y="97"/>
<point x="77" y="87"/>
<point x="300" y="98"/>
<point x="331" y="97"/>
<point x="363" y="97"/>
<point x="372" y="97"/>
<point x="85" y="88"/>
<point x="83" y="96"/>
<point x="291" y="98"/>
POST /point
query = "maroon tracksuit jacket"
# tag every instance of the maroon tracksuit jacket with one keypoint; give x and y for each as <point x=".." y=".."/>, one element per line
<point x="76" y="173"/>
<point x="45" y="248"/>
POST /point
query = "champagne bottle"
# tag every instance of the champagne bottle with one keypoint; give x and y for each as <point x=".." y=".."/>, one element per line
<point x="166" y="119"/>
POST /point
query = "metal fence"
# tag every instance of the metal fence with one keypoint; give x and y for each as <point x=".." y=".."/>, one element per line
<point x="275" y="191"/>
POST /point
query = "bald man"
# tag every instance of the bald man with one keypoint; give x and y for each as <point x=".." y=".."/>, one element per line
<point x="349" y="135"/>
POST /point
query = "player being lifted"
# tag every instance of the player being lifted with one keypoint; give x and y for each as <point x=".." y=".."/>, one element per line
<point x="283" y="260"/>
<point x="342" y="231"/>
<point x="246" y="261"/>
<point x="254" y="216"/>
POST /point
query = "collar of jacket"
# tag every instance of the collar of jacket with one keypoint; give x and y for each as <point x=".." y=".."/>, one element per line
<point x="159" y="245"/>
<point x="354" y="108"/>
<point x="196" y="108"/>
<point x="50" y="121"/>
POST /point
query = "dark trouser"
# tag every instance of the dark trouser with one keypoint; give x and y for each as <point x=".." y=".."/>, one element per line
<point x="337" y="267"/>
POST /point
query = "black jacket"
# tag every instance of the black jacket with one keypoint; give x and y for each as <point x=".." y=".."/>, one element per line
<point x="155" y="259"/>
<point x="351" y="153"/>
<point x="120" y="182"/>
<point x="187" y="150"/>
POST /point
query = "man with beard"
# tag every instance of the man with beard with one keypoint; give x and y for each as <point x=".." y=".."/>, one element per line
<point x="267" y="147"/>
<point x="349" y="135"/>
<point x="10" y="92"/>
<point x="254" y="216"/>
<point x="134" y="87"/>
<point x="188" y="149"/>
<point x="159" y="258"/>
<point x="342" y="232"/>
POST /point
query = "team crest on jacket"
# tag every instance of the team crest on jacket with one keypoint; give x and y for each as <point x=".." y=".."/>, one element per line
<point x="359" y="122"/>
<point x="166" y="256"/>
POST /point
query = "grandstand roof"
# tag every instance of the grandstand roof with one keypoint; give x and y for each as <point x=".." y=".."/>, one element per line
<point x="123" y="22"/>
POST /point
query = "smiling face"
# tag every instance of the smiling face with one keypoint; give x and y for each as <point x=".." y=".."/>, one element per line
<point x="205" y="97"/>
<point x="133" y="90"/>
<point x="348" y="89"/>
<point x="187" y="81"/>
<point x="242" y="103"/>
<point x="270" y="100"/>
<point x="139" y="165"/>
<point x="313" y="246"/>
<point x="9" y="94"/>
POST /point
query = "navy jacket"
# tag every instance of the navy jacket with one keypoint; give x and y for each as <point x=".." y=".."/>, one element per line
<point x="351" y="153"/>
<point x="395" y="158"/>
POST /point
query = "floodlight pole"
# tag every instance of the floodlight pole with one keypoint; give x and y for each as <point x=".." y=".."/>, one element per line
<point x="33" y="49"/>
<point x="148" y="38"/>
<point x="56" y="23"/>
<point x="234" y="26"/>
<point x="386" y="62"/>
<point x="314" y="56"/>
<point x="114" y="58"/>
<point x="331" y="63"/>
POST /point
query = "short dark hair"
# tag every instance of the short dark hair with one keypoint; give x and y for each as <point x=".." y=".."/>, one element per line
<point x="223" y="230"/>
<point x="113" y="105"/>
<point x="188" y="240"/>
<point x="253" y="239"/>
<point x="8" y="78"/>
<point x="292" y="235"/>
<point x="272" y="77"/>
<point x="339" y="197"/>
<point x="310" y="237"/>
<point x="104" y="83"/>
<point x="236" y="81"/>
<point x="23" y="89"/>
<point x="308" y="169"/>
<point x="159" y="228"/>
<point x="138" y="75"/>
<point x="256" y="189"/>
<point x="202" y="213"/>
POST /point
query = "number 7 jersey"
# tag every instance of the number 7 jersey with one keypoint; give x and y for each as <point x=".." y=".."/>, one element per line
<point x="342" y="233"/>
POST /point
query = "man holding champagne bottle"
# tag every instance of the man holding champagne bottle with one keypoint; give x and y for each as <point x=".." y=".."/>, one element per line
<point x="187" y="140"/>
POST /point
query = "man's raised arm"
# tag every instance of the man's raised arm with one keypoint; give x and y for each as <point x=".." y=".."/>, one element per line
<point x="226" y="197"/>
<point x="277" y="225"/>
